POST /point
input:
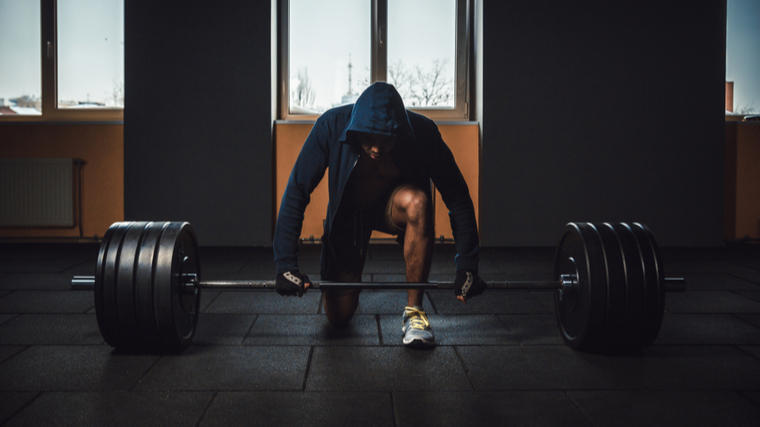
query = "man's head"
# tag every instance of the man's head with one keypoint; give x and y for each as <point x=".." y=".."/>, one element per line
<point x="379" y="112"/>
<point x="376" y="146"/>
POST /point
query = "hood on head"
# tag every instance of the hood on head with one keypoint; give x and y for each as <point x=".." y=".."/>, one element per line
<point x="380" y="111"/>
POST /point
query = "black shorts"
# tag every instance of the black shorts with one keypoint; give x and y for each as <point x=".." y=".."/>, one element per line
<point x="351" y="231"/>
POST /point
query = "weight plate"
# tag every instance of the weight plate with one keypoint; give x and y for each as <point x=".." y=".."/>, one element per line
<point x="631" y="334"/>
<point x="617" y="282"/>
<point x="126" y="284"/>
<point x="654" y="297"/>
<point x="176" y="309"/>
<point x="106" y="310"/>
<point x="581" y="315"/>
<point x="146" y="313"/>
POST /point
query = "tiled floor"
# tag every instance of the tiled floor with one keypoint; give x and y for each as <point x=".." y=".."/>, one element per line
<point x="261" y="359"/>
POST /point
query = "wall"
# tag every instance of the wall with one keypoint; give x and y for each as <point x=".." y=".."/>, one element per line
<point x="603" y="111"/>
<point x="742" y="208"/>
<point x="197" y="126"/>
<point x="101" y="146"/>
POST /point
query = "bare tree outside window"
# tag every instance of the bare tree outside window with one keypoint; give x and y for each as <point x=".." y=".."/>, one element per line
<point x="303" y="94"/>
<point x="422" y="87"/>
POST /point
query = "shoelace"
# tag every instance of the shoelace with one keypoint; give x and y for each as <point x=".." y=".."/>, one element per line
<point x="417" y="318"/>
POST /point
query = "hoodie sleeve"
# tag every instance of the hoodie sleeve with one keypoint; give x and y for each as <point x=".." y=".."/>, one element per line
<point x="450" y="183"/>
<point x="308" y="171"/>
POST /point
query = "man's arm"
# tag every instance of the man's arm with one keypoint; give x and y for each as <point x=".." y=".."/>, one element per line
<point x="450" y="183"/>
<point x="306" y="174"/>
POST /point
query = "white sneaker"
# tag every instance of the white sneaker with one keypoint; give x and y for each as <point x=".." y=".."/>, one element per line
<point x="417" y="331"/>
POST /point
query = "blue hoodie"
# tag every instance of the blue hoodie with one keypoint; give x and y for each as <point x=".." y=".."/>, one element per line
<point x="419" y="153"/>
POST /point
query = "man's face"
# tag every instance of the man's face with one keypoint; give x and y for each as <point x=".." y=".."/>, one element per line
<point x="377" y="146"/>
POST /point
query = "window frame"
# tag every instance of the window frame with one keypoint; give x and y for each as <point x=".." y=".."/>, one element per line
<point x="49" y="83"/>
<point x="378" y="62"/>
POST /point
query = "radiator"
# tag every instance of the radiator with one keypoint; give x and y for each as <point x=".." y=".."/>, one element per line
<point x="36" y="193"/>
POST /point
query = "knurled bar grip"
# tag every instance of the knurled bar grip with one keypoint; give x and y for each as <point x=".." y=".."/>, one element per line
<point x="255" y="284"/>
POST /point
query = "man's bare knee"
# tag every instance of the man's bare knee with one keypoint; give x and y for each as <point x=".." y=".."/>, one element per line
<point x="340" y="307"/>
<point x="414" y="205"/>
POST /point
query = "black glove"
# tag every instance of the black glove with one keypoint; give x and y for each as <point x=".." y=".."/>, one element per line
<point x="468" y="284"/>
<point x="291" y="283"/>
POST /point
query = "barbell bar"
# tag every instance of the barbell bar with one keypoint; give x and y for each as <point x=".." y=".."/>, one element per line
<point x="609" y="286"/>
<point x="566" y="285"/>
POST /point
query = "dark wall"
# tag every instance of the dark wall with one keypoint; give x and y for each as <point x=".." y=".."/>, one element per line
<point x="197" y="128"/>
<point x="603" y="111"/>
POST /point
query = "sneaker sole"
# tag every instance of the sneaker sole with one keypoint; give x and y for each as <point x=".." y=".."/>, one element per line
<point x="417" y="342"/>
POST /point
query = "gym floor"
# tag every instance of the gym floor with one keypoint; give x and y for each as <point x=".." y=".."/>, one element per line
<point x="262" y="359"/>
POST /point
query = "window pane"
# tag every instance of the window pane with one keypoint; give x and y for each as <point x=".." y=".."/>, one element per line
<point x="329" y="53"/>
<point x="90" y="53"/>
<point x="20" y="74"/>
<point x="422" y="51"/>
<point x="743" y="57"/>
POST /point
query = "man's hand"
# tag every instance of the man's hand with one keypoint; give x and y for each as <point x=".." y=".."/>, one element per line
<point x="468" y="285"/>
<point x="292" y="283"/>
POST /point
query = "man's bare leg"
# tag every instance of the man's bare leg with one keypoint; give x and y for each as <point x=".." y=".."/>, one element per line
<point x="412" y="208"/>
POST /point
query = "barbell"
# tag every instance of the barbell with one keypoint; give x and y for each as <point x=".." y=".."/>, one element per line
<point x="609" y="287"/>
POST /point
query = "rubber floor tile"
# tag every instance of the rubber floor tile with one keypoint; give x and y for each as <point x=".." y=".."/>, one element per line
<point x="385" y="369"/>
<point x="666" y="408"/>
<point x="472" y="409"/>
<point x="753" y="350"/>
<point x="54" y="265"/>
<point x="753" y="319"/>
<point x="546" y="299"/>
<point x="77" y="368"/>
<point x="387" y="302"/>
<point x="51" y="329"/>
<point x="561" y="368"/>
<point x="217" y="270"/>
<point x="753" y="396"/>
<point x="208" y="297"/>
<point x="37" y="282"/>
<point x="396" y="266"/>
<point x="754" y="295"/>
<point x="709" y="266"/>
<point x="312" y="329"/>
<point x="222" y="329"/>
<point x="264" y="302"/>
<point x="47" y="302"/>
<point x="230" y="368"/>
<point x="13" y="402"/>
<point x="717" y="282"/>
<point x="114" y="409"/>
<point x="719" y="329"/>
<point x="8" y="351"/>
<point x="709" y="302"/>
<point x="453" y="330"/>
<point x="490" y="302"/>
<point x="6" y="317"/>
<point x="86" y="268"/>
<point x="533" y="329"/>
<point x="300" y="409"/>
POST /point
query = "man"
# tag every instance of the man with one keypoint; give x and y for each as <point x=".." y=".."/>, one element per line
<point x="381" y="159"/>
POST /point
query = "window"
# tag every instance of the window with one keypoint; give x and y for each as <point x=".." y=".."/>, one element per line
<point x="742" y="58"/>
<point x="331" y="50"/>
<point x="68" y="60"/>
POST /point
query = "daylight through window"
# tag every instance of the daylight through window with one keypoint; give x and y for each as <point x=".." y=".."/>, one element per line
<point x="331" y="50"/>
